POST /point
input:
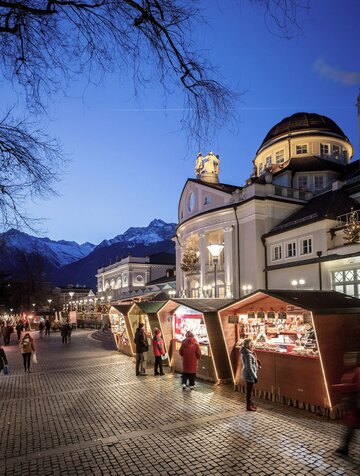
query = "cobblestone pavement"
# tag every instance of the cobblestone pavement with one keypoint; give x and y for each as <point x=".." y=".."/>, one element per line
<point x="82" y="411"/>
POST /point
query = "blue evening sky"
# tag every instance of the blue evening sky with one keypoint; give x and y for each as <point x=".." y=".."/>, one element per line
<point x="129" y="157"/>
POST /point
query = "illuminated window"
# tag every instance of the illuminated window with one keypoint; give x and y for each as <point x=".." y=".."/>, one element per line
<point x="336" y="152"/>
<point x="301" y="149"/>
<point x="306" y="246"/>
<point x="191" y="202"/>
<point x="324" y="150"/>
<point x="319" y="182"/>
<point x="291" y="249"/>
<point x="346" y="281"/>
<point x="303" y="182"/>
<point x="279" y="156"/>
<point x="277" y="253"/>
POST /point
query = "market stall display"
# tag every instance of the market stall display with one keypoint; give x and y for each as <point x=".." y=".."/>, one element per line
<point x="119" y="322"/>
<point x="300" y="338"/>
<point x="200" y="317"/>
<point x="146" y="312"/>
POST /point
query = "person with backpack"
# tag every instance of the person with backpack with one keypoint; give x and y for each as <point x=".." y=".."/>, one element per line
<point x="142" y="346"/>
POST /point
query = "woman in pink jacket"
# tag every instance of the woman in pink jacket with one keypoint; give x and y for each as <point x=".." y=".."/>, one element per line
<point x="159" y="351"/>
<point x="190" y="353"/>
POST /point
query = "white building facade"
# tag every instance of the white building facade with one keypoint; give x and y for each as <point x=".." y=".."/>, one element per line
<point x="287" y="227"/>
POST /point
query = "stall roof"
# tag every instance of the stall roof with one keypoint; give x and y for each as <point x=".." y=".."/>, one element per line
<point x="205" y="305"/>
<point x="123" y="308"/>
<point x="150" y="307"/>
<point x="321" y="302"/>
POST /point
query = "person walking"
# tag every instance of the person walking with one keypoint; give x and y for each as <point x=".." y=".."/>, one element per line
<point x="3" y="359"/>
<point x="64" y="333"/>
<point x="159" y="351"/>
<point x="69" y="331"/>
<point x="142" y="346"/>
<point x="27" y="347"/>
<point x="47" y="327"/>
<point x="8" y="331"/>
<point x="190" y="353"/>
<point x="41" y="329"/>
<point x="19" y="329"/>
<point x="249" y="371"/>
<point x="350" y="387"/>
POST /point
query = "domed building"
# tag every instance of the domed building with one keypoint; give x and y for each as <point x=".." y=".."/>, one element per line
<point x="293" y="223"/>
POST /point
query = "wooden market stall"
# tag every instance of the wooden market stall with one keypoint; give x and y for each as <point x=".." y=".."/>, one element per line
<point x="300" y="339"/>
<point x="120" y="327"/>
<point x="201" y="317"/>
<point x="146" y="312"/>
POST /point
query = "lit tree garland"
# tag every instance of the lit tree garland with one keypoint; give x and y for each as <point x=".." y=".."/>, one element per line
<point x="352" y="228"/>
<point x="190" y="260"/>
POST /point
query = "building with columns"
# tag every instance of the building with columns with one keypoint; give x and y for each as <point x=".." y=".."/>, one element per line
<point x="136" y="276"/>
<point x="295" y="222"/>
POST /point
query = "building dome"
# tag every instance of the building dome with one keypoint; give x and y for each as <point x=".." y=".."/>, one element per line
<point x="303" y="122"/>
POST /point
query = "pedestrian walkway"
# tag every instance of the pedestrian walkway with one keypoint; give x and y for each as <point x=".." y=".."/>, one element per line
<point x="82" y="411"/>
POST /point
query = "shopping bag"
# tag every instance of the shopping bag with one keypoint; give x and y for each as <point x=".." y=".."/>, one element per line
<point x="34" y="358"/>
<point x="165" y="356"/>
<point x="6" y="370"/>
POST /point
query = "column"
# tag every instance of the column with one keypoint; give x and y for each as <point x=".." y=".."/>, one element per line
<point x="179" y="273"/>
<point x="228" y="261"/>
<point x="202" y="259"/>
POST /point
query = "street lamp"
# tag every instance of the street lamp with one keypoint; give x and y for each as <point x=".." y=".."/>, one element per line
<point x="172" y="293"/>
<point x="49" y="301"/>
<point x="215" y="251"/>
<point x="71" y="294"/>
<point x="247" y="288"/>
<point x="297" y="283"/>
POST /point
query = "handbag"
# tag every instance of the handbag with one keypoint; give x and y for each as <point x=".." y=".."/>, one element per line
<point x="34" y="358"/>
<point x="6" y="370"/>
<point x="165" y="356"/>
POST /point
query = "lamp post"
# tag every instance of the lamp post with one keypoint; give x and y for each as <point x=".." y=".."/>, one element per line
<point x="215" y="251"/>
<point x="319" y="253"/>
<point x="49" y="301"/>
<point x="71" y="294"/>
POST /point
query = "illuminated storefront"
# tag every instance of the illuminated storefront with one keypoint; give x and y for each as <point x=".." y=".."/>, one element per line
<point x="300" y="338"/>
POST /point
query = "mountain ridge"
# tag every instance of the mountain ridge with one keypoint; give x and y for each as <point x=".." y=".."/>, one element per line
<point x="63" y="261"/>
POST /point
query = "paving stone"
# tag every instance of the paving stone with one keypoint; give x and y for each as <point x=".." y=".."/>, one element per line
<point x="85" y="413"/>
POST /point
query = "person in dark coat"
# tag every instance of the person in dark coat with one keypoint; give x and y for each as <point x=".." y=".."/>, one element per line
<point x="64" y="333"/>
<point x="8" y="331"/>
<point x="159" y="352"/>
<point x="47" y="327"/>
<point x="19" y="329"/>
<point x="142" y="346"/>
<point x="350" y="385"/>
<point x="41" y="329"/>
<point x="190" y="353"/>
<point x="249" y="371"/>
<point x="3" y="359"/>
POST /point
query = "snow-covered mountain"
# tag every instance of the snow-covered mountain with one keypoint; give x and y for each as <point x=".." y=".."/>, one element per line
<point x="156" y="231"/>
<point x="64" y="261"/>
<point x="58" y="253"/>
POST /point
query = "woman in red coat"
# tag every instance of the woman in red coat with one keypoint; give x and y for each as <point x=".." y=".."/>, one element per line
<point x="190" y="353"/>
